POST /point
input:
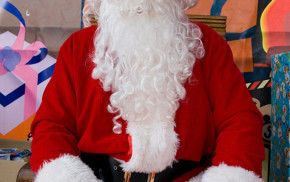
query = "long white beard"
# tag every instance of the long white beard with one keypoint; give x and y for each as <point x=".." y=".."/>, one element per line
<point x="145" y="52"/>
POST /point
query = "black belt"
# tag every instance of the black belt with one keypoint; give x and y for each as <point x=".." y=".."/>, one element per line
<point x="108" y="169"/>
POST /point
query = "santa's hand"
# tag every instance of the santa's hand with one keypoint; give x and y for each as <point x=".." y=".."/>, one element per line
<point x="65" y="168"/>
<point x="225" y="173"/>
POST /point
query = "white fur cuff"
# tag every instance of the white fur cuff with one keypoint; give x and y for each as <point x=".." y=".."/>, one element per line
<point x="66" y="168"/>
<point x="225" y="173"/>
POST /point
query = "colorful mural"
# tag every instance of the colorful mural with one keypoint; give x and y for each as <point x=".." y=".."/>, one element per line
<point x="241" y="22"/>
<point x="24" y="70"/>
<point x="29" y="44"/>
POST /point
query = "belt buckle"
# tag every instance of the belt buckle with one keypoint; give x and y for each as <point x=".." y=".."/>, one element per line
<point x="150" y="178"/>
<point x="127" y="177"/>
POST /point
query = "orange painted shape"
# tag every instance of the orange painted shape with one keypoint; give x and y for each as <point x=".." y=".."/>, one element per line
<point x="241" y="15"/>
<point x="242" y="51"/>
<point x="21" y="131"/>
<point x="201" y="8"/>
<point x="261" y="65"/>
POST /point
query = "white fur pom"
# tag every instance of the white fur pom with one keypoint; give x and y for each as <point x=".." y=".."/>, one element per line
<point x="225" y="173"/>
<point x="65" y="168"/>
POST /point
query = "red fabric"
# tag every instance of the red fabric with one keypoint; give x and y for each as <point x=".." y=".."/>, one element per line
<point x="217" y="115"/>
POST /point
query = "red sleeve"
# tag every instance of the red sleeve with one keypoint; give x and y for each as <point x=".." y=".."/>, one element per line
<point x="54" y="126"/>
<point x="238" y="122"/>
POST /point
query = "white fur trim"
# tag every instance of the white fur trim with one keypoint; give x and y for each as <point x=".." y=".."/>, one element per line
<point x="197" y="178"/>
<point x="225" y="173"/>
<point x="65" y="168"/>
<point x="154" y="147"/>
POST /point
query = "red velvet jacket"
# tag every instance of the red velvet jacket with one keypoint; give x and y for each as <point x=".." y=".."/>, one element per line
<point x="217" y="115"/>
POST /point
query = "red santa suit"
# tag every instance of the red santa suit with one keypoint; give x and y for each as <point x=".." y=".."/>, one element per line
<point x="216" y="117"/>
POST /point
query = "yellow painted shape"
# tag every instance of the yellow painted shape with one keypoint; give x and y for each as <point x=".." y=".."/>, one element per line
<point x="275" y="21"/>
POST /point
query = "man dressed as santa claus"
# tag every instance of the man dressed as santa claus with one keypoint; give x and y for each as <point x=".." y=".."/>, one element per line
<point x="146" y="95"/>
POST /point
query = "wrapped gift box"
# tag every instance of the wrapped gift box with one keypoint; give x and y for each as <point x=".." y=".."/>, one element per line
<point x="21" y="89"/>
<point x="280" y="138"/>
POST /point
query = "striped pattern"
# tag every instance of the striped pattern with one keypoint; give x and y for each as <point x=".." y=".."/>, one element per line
<point x="218" y="23"/>
<point x="259" y="84"/>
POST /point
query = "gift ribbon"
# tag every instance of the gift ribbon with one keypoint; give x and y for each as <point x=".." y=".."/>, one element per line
<point x="12" y="9"/>
<point x="15" y="59"/>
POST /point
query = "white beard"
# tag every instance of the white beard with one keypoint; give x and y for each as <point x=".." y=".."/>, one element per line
<point x="145" y="52"/>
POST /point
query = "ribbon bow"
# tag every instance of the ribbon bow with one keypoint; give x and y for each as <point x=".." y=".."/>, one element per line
<point x="16" y="60"/>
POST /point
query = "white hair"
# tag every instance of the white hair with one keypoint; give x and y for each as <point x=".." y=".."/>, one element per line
<point x="144" y="53"/>
<point x="92" y="8"/>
